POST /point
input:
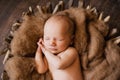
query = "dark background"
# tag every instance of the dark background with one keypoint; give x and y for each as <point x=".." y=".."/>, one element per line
<point x="11" y="10"/>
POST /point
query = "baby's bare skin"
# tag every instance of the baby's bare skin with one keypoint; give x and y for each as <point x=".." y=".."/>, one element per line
<point x="65" y="68"/>
<point x="62" y="60"/>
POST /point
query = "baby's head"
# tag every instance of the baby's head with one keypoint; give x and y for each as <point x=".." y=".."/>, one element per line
<point x="58" y="33"/>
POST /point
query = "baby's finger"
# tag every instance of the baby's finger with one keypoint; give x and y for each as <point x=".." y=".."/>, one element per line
<point x="38" y="43"/>
<point x="42" y="48"/>
<point x="39" y="48"/>
<point x="41" y="40"/>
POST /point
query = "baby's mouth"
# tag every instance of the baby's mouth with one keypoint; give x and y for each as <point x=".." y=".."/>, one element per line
<point x="53" y="49"/>
<point x="50" y="48"/>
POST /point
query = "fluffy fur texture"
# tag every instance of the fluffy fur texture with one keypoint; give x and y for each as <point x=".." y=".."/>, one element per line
<point x="99" y="58"/>
<point x="22" y="68"/>
<point x="25" y="38"/>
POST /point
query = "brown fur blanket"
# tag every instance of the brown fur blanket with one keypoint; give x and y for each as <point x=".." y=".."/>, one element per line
<point x="99" y="57"/>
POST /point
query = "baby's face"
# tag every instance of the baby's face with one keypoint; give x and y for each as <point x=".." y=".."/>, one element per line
<point x="56" y="36"/>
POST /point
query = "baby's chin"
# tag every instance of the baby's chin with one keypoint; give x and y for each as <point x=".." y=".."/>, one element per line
<point x="54" y="52"/>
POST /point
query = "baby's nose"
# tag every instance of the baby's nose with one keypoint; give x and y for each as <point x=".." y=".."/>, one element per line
<point x="52" y="42"/>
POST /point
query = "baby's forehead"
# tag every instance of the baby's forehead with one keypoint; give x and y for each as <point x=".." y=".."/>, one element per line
<point x="59" y="18"/>
<point x="60" y="22"/>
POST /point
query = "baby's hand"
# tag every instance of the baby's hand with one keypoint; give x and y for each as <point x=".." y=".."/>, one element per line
<point x="42" y="47"/>
<point x="39" y="45"/>
<point x="40" y="42"/>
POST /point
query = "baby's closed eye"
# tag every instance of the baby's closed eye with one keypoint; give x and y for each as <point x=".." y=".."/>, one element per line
<point x="60" y="39"/>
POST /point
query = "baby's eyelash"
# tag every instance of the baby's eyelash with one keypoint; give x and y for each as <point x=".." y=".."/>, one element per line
<point x="60" y="39"/>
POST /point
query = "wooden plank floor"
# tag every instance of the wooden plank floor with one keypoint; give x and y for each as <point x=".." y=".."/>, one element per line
<point x="11" y="10"/>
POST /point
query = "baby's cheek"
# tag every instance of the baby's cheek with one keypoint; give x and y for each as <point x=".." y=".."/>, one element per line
<point x="62" y="45"/>
<point x="45" y="44"/>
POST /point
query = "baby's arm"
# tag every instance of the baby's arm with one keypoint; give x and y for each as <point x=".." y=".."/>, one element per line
<point x="40" y="60"/>
<point x="61" y="61"/>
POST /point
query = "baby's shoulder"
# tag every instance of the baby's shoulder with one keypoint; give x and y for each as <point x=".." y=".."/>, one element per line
<point x="71" y="50"/>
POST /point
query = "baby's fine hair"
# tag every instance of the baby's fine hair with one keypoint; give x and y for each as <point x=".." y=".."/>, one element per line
<point x="67" y="19"/>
